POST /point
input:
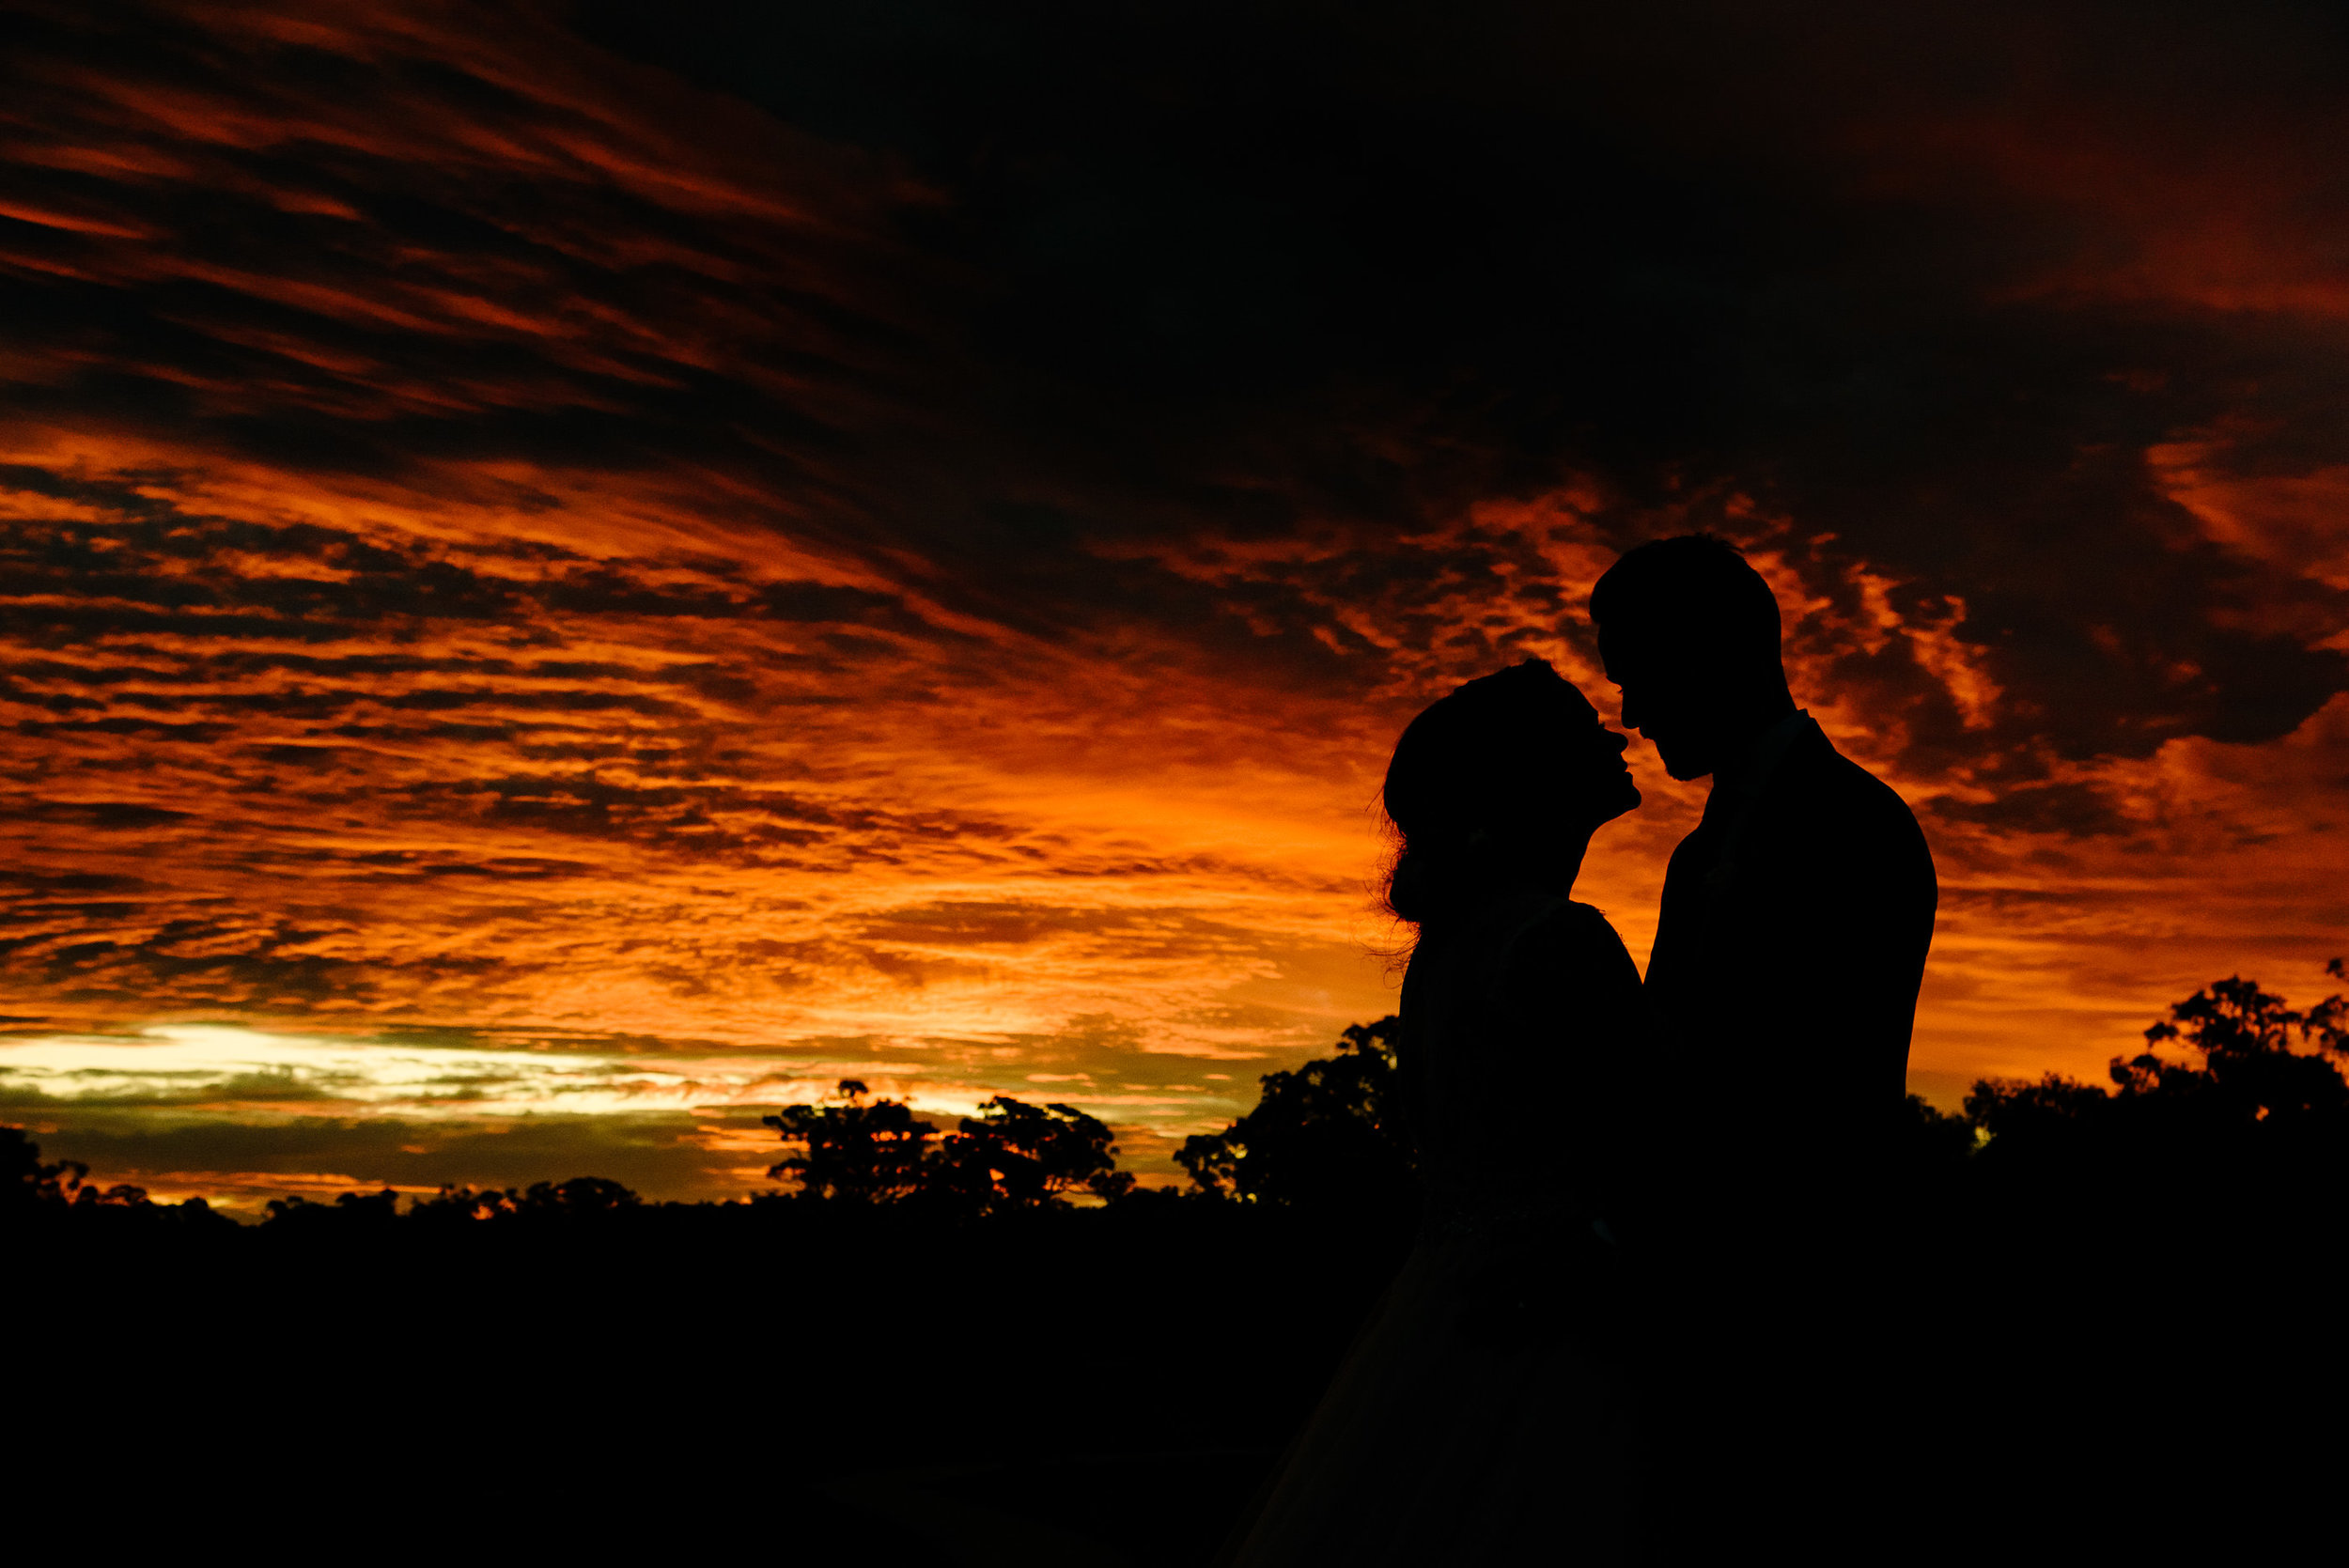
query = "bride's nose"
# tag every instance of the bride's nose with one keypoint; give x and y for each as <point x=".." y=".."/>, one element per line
<point x="1619" y="740"/>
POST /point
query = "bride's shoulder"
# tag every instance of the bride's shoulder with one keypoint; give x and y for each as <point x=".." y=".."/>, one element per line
<point x="1570" y="934"/>
<point x="1579" y="921"/>
<point x="1569" y="962"/>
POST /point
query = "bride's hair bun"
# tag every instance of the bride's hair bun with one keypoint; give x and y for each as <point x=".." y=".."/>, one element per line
<point x="1471" y="776"/>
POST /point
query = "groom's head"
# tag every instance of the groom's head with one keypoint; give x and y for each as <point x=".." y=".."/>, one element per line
<point x="1690" y="630"/>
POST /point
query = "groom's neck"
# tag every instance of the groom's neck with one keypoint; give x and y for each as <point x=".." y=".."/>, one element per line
<point x="1744" y="725"/>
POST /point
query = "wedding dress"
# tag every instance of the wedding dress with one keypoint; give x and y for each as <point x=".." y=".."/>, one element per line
<point x="1481" y="1418"/>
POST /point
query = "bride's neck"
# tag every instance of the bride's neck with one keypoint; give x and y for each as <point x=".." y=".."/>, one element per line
<point x="1550" y="868"/>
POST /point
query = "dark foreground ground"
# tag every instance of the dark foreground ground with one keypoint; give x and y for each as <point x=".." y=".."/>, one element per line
<point x="2087" y="1377"/>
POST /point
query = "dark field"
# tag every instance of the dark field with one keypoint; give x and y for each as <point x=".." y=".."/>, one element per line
<point x="2080" y="1372"/>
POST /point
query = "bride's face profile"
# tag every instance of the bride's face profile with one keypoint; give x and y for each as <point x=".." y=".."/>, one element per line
<point x="1500" y="785"/>
<point x="1597" y="781"/>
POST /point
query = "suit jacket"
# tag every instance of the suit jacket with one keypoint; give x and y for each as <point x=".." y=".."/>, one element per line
<point x="1788" y="954"/>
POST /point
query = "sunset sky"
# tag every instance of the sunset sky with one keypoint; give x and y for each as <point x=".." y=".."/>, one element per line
<point x="576" y="573"/>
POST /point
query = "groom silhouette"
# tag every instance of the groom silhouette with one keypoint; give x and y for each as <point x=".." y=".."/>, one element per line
<point x="1788" y="954"/>
<point x="1795" y="917"/>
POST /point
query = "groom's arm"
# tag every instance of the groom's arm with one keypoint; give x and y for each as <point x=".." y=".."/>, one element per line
<point x="1851" y="937"/>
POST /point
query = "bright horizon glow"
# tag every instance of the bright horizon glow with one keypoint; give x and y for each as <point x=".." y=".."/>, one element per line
<point x="219" y="1068"/>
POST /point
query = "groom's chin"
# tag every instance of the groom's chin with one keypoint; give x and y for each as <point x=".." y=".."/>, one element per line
<point x="1683" y="767"/>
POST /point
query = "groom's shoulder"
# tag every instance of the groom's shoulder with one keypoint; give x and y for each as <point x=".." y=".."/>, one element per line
<point x="1831" y="786"/>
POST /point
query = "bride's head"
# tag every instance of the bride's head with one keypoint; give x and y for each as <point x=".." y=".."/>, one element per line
<point x="1498" y="787"/>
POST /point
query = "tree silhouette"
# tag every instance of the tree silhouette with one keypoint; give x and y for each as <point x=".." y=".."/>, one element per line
<point x="1328" y="1135"/>
<point x="28" y="1185"/>
<point x="1932" y="1139"/>
<point x="2249" y="1071"/>
<point x="1012" y="1156"/>
<point x="2234" y="1017"/>
<point x="2245" y="1090"/>
<point x="463" y="1205"/>
<point x="578" y="1197"/>
<point x="2034" y="1113"/>
<point x="349" y="1211"/>
<point x="853" y="1151"/>
<point x="1015" y="1155"/>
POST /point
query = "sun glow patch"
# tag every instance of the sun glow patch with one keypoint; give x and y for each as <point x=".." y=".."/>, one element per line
<point x="222" y="1068"/>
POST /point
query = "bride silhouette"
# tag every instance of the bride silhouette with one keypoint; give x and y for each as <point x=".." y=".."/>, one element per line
<point x="1478" y="1419"/>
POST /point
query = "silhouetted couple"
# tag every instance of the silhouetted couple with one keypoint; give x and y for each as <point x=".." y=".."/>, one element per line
<point x="1635" y="1325"/>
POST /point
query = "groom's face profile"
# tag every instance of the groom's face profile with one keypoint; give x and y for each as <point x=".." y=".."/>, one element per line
<point x="1666" y="698"/>
<point x="1689" y="632"/>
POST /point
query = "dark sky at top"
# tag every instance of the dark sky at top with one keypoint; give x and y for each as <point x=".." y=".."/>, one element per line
<point x="1929" y="279"/>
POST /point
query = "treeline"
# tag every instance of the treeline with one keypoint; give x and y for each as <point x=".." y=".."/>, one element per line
<point x="1012" y="1156"/>
<point x="2260" y="1090"/>
<point x="2253" y="1086"/>
<point x="2254" y="1091"/>
<point x="853" y="1151"/>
